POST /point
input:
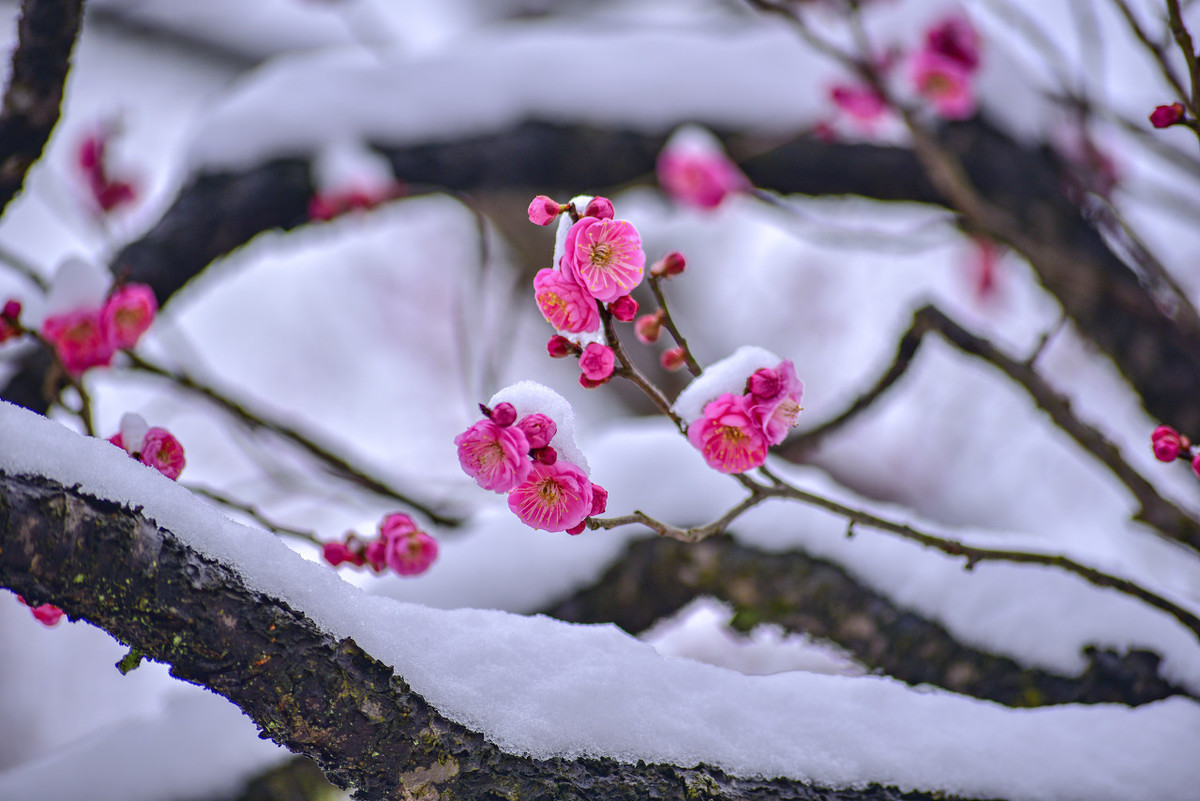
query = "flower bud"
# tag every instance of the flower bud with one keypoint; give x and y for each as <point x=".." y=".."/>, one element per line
<point x="539" y="430"/>
<point x="648" y="327"/>
<point x="504" y="414"/>
<point x="12" y="310"/>
<point x="559" y="347"/>
<point x="624" y="308"/>
<point x="597" y="362"/>
<point x="577" y="529"/>
<point x="674" y="359"/>
<point x="543" y="210"/>
<point x="671" y="264"/>
<point x="600" y="207"/>
<point x="544" y="455"/>
<point x="1166" y="443"/>
<point x="588" y="383"/>
<point x="764" y="383"/>
<point x="599" y="500"/>
<point x="1166" y="116"/>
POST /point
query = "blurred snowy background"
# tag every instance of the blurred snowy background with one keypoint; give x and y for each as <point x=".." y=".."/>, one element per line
<point x="378" y="332"/>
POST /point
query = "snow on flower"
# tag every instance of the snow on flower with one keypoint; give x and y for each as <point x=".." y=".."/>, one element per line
<point x="564" y="303"/>
<point x="152" y="446"/>
<point x="727" y="435"/>
<point x="605" y="257"/>
<point x="945" y="83"/>
<point x="127" y="313"/>
<point x="694" y="169"/>
<point x="497" y="457"/>
<point x="555" y="498"/>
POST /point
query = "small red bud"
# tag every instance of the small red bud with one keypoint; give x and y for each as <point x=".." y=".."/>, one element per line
<point x="648" y="327"/>
<point x="671" y="264"/>
<point x="544" y="210"/>
<point x="559" y="347"/>
<point x="590" y="383"/>
<point x="505" y="414"/>
<point x="624" y="308"/>
<point x="600" y="207"/>
<point x="674" y="359"/>
<point x="1166" y="116"/>
<point x="545" y="455"/>
<point x="12" y="310"/>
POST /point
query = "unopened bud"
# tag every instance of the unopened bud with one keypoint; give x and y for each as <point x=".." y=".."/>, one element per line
<point x="600" y="207"/>
<point x="674" y="359"/>
<point x="538" y="429"/>
<point x="1166" y="116"/>
<point x="599" y="500"/>
<point x="545" y="455"/>
<point x="671" y="264"/>
<point x="12" y="310"/>
<point x="559" y="347"/>
<point x="648" y="327"/>
<point x="504" y="414"/>
<point x="1166" y="443"/>
<point x="544" y="210"/>
<point x="624" y="308"/>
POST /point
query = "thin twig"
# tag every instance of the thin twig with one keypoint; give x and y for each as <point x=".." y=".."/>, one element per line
<point x="630" y="372"/>
<point x="668" y="322"/>
<point x="335" y="463"/>
<point x="254" y="513"/>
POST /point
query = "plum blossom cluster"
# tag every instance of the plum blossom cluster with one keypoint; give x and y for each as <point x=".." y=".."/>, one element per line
<point x="1169" y="445"/>
<point x="512" y="454"/>
<point x="89" y="336"/>
<point x="734" y="428"/>
<point x="152" y="446"/>
<point x="400" y="546"/>
<point x="599" y="260"/>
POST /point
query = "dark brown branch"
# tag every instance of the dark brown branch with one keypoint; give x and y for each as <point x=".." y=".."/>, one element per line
<point x="656" y="577"/>
<point x="45" y="37"/>
<point x="315" y="695"/>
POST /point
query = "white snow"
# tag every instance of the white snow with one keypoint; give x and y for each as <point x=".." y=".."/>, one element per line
<point x="729" y="375"/>
<point x="544" y="688"/>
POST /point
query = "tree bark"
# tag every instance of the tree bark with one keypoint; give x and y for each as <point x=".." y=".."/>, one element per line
<point x="315" y="695"/>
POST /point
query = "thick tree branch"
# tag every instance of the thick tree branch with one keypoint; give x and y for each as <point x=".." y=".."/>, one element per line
<point x="315" y="695"/>
<point x="656" y="577"/>
<point x="45" y="36"/>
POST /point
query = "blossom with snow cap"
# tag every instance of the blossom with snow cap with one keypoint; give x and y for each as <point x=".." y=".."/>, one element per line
<point x="945" y="83"/>
<point x="694" y="169"/>
<point x="496" y="456"/>
<point x="773" y="398"/>
<point x="728" y="436"/>
<point x="127" y="314"/>
<point x="152" y="446"/>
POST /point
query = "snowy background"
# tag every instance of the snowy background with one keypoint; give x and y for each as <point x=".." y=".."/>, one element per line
<point x="380" y="332"/>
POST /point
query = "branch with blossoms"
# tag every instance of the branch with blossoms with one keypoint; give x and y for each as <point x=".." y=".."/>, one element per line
<point x="732" y="412"/>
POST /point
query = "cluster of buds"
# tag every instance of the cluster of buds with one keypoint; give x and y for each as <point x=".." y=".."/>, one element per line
<point x="400" y="546"/>
<point x="91" y="336"/>
<point x="10" y="325"/>
<point x="152" y="446"/>
<point x="1169" y="445"/>
<point x="514" y="456"/>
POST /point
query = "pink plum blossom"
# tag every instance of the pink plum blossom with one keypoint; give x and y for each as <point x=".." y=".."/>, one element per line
<point x="945" y="83"/>
<point x="600" y="207"/>
<point x="79" y="339"/>
<point x="698" y="176"/>
<point x="163" y="452"/>
<point x="564" y="303"/>
<point x="605" y="257"/>
<point x="10" y="327"/>
<point x="1167" y="443"/>
<point x="597" y="362"/>
<point x="401" y="546"/>
<point x="127" y="314"/>
<point x="107" y="193"/>
<point x="556" y="497"/>
<point x="339" y="553"/>
<point x="728" y="437"/>
<point x="539" y="430"/>
<point x="543" y="210"/>
<point x="497" y="457"/>
<point x="773" y="400"/>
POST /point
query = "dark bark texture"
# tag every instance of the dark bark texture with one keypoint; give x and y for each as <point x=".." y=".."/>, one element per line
<point x="46" y="35"/>
<point x="654" y="578"/>
<point x="320" y="697"/>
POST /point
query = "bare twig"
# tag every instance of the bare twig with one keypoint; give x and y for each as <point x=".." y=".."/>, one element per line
<point x="336" y="464"/>
<point x="668" y="322"/>
<point x="255" y="514"/>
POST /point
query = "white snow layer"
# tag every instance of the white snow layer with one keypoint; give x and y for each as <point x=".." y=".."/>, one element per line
<point x="544" y="688"/>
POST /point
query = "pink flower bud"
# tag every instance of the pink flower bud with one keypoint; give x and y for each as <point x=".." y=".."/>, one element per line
<point x="539" y="430"/>
<point x="79" y="340"/>
<point x="1166" y="116"/>
<point x="671" y="264"/>
<point x="336" y="553"/>
<point x="559" y="347"/>
<point x="504" y="414"/>
<point x="648" y="327"/>
<point x="765" y="383"/>
<point x="624" y="308"/>
<point x="1166" y="443"/>
<point x="375" y="555"/>
<point x="544" y="455"/>
<point x="12" y="310"/>
<point x="599" y="500"/>
<point x="402" y="546"/>
<point x="674" y="359"/>
<point x="588" y="383"/>
<point x="600" y="207"/>
<point x="597" y="362"/>
<point x="543" y="210"/>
